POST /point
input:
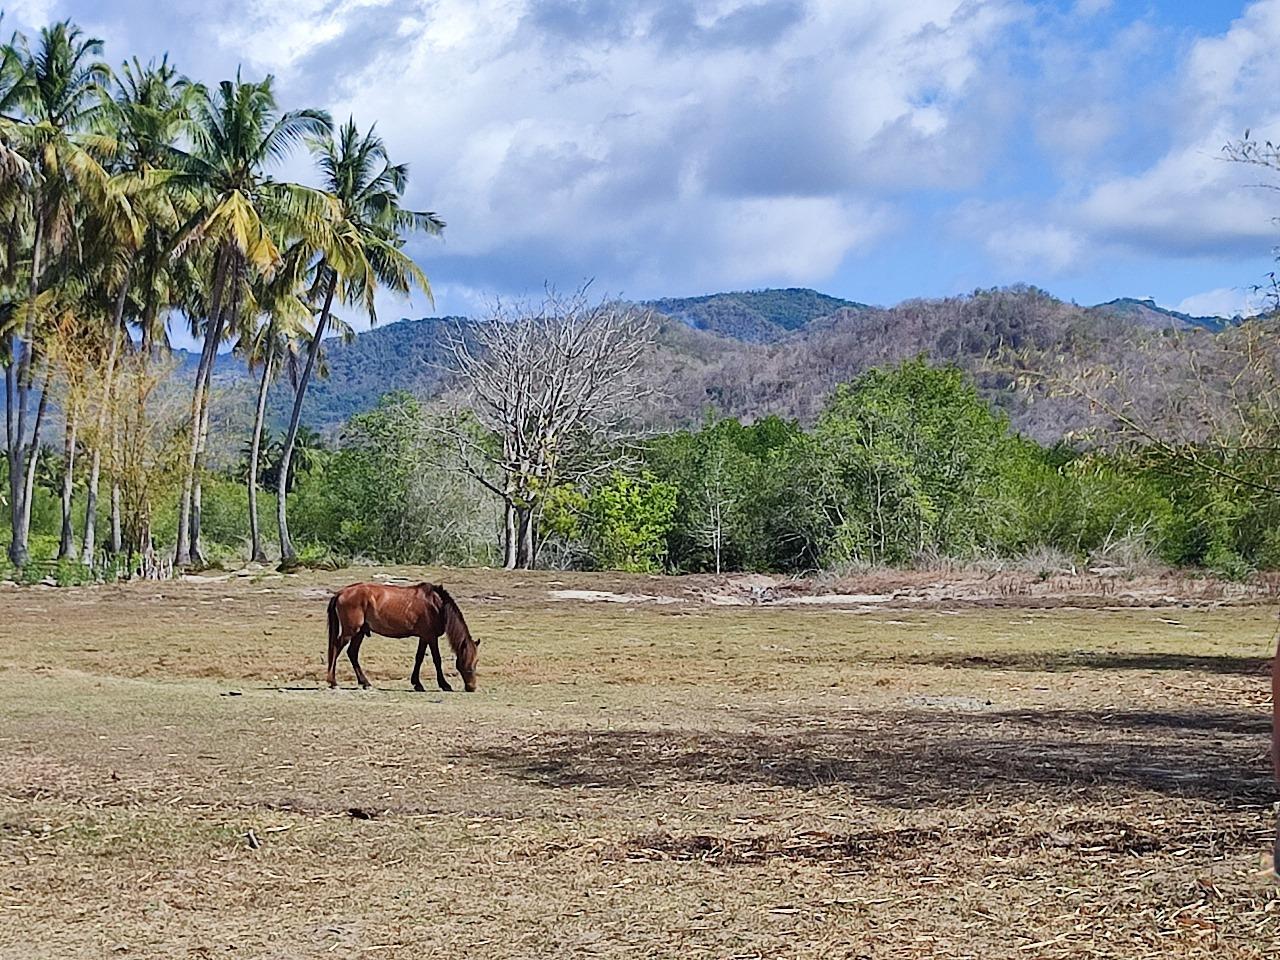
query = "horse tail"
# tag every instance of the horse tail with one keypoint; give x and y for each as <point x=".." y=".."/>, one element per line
<point x="333" y="621"/>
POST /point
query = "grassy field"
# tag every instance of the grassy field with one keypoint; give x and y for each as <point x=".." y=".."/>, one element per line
<point x="632" y="779"/>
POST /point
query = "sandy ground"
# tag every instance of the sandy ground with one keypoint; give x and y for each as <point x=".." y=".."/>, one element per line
<point x="977" y="767"/>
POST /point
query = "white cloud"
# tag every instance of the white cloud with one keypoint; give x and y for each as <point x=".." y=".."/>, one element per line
<point x="1023" y="243"/>
<point x="1091" y="8"/>
<point x="1028" y="247"/>
<point x="1223" y="302"/>
<point x="619" y="147"/>
<point x="1191" y="201"/>
<point x="28" y="12"/>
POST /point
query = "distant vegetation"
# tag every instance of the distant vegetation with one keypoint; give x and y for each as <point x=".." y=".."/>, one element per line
<point x="755" y="316"/>
<point x="954" y="429"/>
<point x="788" y="375"/>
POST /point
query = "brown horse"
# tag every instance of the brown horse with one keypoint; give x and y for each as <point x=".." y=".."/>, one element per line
<point x="423" y="610"/>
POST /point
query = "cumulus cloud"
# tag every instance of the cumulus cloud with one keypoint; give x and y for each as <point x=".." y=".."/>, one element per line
<point x="1190" y="200"/>
<point x="1224" y="302"/>
<point x="666" y="146"/>
<point x="1021" y="242"/>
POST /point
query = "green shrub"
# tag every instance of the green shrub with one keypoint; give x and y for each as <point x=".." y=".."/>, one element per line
<point x="630" y="520"/>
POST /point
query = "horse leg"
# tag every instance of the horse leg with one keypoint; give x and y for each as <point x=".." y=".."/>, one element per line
<point x="335" y="649"/>
<point x="353" y="654"/>
<point x="434" y="643"/>
<point x="417" y="665"/>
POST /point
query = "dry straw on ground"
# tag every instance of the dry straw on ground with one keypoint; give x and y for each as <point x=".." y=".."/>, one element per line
<point x="940" y="774"/>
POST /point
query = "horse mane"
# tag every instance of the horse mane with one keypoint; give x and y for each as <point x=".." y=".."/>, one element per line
<point x="455" y="626"/>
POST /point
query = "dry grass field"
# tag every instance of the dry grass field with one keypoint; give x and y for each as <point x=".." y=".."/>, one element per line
<point x="677" y="777"/>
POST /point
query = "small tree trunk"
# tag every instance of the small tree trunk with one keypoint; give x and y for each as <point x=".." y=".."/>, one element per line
<point x="13" y="444"/>
<point x="114" y="546"/>
<point x="511" y="538"/>
<point x="32" y="461"/>
<point x="197" y="490"/>
<point x="259" y="555"/>
<point x="88" y="543"/>
<point x="146" y="545"/>
<point x="531" y="540"/>
<point x="287" y="552"/>
<point x="117" y="520"/>
<point x="525" y="558"/>
<point x="66" y="543"/>
<point x="212" y="335"/>
<point x="21" y="353"/>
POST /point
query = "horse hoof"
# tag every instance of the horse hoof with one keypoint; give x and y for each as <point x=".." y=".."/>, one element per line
<point x="446" y="688"/>
<point x="419" y="688"/>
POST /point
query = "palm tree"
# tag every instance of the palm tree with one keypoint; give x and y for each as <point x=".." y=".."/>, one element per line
<point x="15" y="169"/>
<point x="363" y="253"/>
<point x="237" y="132"/>
<point x="137" y="131"/>
<point x="283" y="327"/>
<point x="58" y="95"/>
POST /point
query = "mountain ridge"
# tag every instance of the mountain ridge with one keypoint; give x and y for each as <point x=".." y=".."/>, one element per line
<point x="783" y="360"/>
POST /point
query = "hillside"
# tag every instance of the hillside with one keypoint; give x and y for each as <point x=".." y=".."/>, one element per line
<point x="409" y="355"/>
<point x="694" y="370"/>
<point x="754" y="316"/>
<point x="1149" y="313"/>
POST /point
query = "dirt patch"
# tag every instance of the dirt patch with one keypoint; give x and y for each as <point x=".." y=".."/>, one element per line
<point x="606" y="596"/>
<point x="906" y="589"/>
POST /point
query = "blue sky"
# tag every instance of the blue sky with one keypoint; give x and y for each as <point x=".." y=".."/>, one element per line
<point x="873" y="149"/>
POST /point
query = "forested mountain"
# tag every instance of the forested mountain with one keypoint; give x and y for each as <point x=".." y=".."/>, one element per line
<point x="1150" y="313"/>
<point x="754" y="316"/>
<point x="694" y="371"/>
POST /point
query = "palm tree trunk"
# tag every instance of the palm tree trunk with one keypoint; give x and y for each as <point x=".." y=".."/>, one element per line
<point x="32" y="460"/>
<point x="66" y="542"/>
<point x="213" y="332"/>
<point x="21" y="350"/>
<point x="287" y="552"/>
<point x="259" y="555"/>
<point x="197" y="498"/>
<point x="231" y="308"/>
<point x="116" y="543"/>
<point x="88" y="543"/>
<point x="13" y="449"/>
<point x="150" y="307"/>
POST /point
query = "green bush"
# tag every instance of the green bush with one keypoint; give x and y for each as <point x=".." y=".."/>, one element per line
<point x="904" y="463"/>
<point x="630" y="520"/>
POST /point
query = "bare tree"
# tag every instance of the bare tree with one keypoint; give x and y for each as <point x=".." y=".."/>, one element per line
<point x="551" y="386"/>
<point x="1208" y="402"/>
<point x="716" y="504"/>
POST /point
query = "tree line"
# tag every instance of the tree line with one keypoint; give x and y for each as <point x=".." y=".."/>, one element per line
<point x="905" y="465"/>
<point x="135" y="198"/>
